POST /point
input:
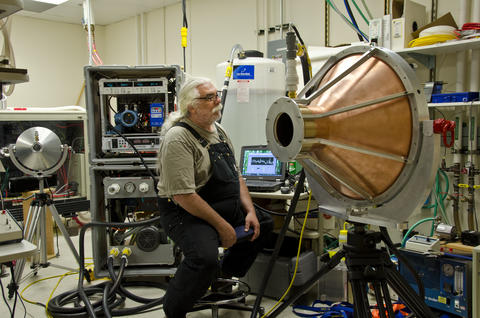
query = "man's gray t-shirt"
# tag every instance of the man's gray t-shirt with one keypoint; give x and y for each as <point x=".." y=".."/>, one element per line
<point x="183" y="163"/>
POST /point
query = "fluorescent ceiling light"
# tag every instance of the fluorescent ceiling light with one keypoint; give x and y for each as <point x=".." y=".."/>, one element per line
<point x="57" y="2"/>
<point x="40" y="5"/>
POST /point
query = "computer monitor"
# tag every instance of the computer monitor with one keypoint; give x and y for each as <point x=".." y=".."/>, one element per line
<point x="258" y="162"/>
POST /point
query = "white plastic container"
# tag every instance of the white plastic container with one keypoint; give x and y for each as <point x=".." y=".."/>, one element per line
<point x="255" y="84"/>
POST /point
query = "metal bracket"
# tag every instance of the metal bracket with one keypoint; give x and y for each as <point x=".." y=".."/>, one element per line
<point x="426" y="60"/>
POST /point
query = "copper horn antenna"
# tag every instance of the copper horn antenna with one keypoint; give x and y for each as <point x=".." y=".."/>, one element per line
<point x="363" y="136"/>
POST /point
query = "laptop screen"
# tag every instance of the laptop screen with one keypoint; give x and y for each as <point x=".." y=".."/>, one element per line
<point x="258" y="162"/>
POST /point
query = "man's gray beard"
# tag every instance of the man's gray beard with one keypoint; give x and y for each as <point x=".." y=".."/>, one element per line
<point x="217" y="108"/>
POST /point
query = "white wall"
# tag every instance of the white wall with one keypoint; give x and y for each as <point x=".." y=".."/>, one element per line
<point x="121" y="43"/>
<point x="54" y="55"/>
<point x="216" y="25"/>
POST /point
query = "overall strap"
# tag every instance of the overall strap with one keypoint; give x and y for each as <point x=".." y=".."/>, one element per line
<point x="200" y="139"/>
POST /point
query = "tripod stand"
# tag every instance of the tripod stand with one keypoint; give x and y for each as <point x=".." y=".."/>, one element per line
<point x="35" y="223"/>
<point x="367" y="264"/>
<point x="38" y="152"/>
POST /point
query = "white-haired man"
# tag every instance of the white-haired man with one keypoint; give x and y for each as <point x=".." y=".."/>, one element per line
<point x="203" y="198"/>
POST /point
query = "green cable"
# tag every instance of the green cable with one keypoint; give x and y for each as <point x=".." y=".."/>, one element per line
<point x="446" y="182"/>
<point x="433" y="204"/>
<point x="346" y="20"/>
<point x="405" y="237"/>
<point x="437" y="186"/>
<point x="437" y="194"/>
<point x="361" y="13"/>
<point x="366" y="9"/>
<point x="447" y="185"/>
<point x="442" y="209"/>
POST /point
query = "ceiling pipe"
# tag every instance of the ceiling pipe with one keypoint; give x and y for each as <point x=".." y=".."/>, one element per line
<point x="88" y="18"/>
<point x="475" y="63"/>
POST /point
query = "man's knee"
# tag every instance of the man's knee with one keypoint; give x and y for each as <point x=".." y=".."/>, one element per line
<point x="203" y="260"/>
<point x="266" y="223"/>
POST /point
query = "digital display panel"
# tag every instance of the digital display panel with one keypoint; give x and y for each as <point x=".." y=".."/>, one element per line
<point x="117" y="84"/>
<point x="147" y="83"/>
<point x="259" y="162"/>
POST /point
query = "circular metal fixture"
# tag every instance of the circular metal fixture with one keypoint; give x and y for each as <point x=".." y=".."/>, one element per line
<point x="127" y="118"/>
<point x="148" y="238"/>
<point x="143" y="187"/>
<point x="113" y="189"/>
<point x="448" y="270"/>
<point x="38" y="148"/>
<point x="363" y="136"/>
<point x="129" y="187"/>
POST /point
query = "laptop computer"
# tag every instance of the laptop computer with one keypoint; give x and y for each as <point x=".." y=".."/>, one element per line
<point x="262" y="171"/>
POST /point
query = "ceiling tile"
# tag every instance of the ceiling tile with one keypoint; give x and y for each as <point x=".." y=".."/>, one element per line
<point x="104" y="11"/>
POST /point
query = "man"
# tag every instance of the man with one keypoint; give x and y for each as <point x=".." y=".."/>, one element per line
<point x="203" y="198"/>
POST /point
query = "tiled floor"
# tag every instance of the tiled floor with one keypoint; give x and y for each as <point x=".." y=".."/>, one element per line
<point x="40" y="291"/>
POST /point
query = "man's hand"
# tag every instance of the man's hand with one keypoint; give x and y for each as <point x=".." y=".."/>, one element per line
<point x="252" y="221"/>
<point x="227" y="235"/>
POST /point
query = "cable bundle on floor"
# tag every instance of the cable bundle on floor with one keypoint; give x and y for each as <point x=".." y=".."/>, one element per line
<point x="114" y="292"/>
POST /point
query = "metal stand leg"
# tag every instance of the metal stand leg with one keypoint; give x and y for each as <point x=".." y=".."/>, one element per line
<point x="37" y="216"/>
<point x="43" y="234"/>
<point x="32" y="222"/>
<point x="62" y="228"/>
<point x="367" y="264"/>
<point x="214" y="311"/>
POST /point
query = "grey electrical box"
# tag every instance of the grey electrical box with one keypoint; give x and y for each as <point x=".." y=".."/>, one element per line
<point x="282" y="273"/>
<point x="277" y="50"/>
<point x="126" y="107"/>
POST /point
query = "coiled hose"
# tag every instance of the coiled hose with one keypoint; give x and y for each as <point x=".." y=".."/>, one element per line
<point x="115" y="293"/>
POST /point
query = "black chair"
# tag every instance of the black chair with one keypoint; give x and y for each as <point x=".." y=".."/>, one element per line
<point x="225" y="293"/>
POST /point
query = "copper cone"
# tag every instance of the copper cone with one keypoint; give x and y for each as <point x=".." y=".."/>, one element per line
<point x="385" y="127"/>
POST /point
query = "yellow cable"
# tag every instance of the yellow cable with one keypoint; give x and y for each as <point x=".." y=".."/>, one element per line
<point x="431" y="39"/>
<point x="54" y="289"/>
<point x="40" y="280"/>
<point x="298" y="256"/>
<point x="46" y="278"/>
<point x="80" y="94"/>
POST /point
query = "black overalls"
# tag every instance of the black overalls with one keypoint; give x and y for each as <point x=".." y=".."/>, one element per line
<point x="199" y="241"/>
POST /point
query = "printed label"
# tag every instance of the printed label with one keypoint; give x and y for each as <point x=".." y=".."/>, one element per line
<point x="245" y="72"/>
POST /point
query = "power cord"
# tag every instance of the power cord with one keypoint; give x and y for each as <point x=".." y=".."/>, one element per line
<point x="17" y="296"/>
<point x="5" y="300"/>
<point x="296" y="261"/>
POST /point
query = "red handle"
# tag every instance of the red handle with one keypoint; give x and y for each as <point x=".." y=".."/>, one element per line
<point x="442" y="126"/>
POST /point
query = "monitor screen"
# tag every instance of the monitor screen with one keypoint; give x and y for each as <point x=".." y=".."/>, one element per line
<point x="260" y="162"/>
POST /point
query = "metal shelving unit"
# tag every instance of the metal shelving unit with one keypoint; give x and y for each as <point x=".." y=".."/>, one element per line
<point x="426" y="54"/>
<point x="441" y="48"/>
<point x="453" y="105"/>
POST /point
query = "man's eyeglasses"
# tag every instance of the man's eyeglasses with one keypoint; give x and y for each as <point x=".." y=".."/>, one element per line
<point x="211" y="97"/>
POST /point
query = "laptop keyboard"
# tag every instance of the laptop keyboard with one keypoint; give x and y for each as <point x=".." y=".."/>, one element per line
<point x="258" y="183"/>
<point x="263" y="185"/>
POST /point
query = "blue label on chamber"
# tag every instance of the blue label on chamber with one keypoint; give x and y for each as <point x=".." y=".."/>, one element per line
<point x="156" y="114"/>
<point x="245" y="72"/>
